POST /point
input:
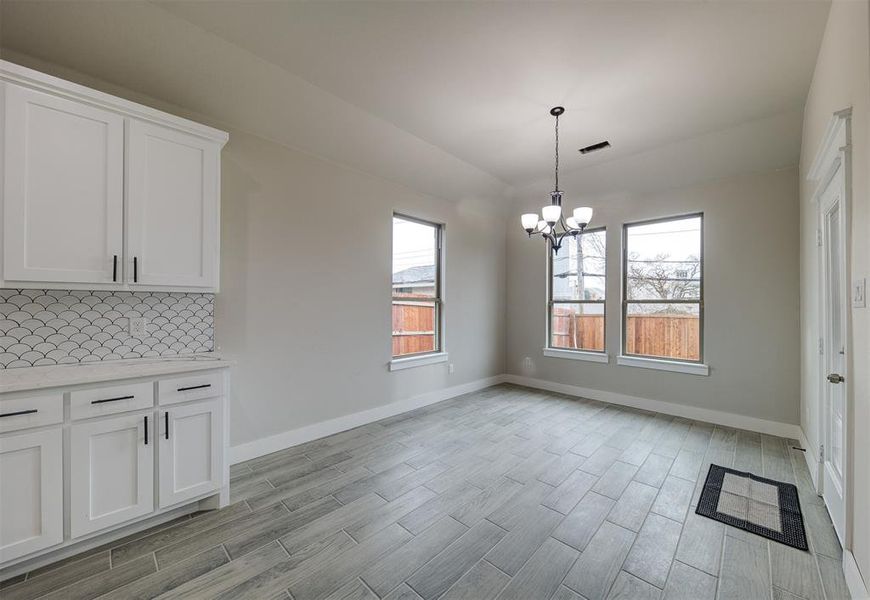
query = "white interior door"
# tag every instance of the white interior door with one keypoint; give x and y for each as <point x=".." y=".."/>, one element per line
<point x="834" y="291"/>
<point x="111" y="472"/>
<point x="190" y="451"/>
<point x="31" y="492"/>
<point x="173" y="207"/>
<point x="63" y="190"/>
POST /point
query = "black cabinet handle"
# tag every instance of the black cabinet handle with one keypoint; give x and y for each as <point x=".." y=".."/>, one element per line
<point x="112" y="399"/>
<point x="166" y="419"/>
<point x="194" y="387"/>
<point x="135" y="269"/>
<point x="146" y="430"/>
<point x="115" y="268"/>
<point x="17" y="413"/>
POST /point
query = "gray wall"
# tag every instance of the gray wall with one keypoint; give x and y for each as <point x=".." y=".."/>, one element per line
<point x="751" y="298"/>
<point x="305" y="305"/>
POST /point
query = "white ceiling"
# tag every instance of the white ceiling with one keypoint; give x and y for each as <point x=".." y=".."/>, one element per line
<point x="449" y="94"/>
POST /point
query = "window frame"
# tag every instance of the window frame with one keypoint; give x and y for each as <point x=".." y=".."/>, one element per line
<point x="640" y="359"/>
<point x="557" y="351"/>
<point x="438" y="353"/>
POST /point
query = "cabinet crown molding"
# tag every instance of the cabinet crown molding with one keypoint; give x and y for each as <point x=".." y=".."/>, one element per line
<point x="24" y="76"/>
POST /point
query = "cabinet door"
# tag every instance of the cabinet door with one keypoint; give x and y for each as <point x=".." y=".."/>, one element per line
<point x="63" y="190"/>
<point x="31" y="492"/>
<point x="190" y="451"/>
<point x="173" y="206"/>
<point x="111" y="472"/>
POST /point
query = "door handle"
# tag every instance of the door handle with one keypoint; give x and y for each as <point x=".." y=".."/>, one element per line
<point x="836" y="378"/>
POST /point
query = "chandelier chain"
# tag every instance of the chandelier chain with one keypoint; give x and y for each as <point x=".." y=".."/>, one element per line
<point x="557" y="153"/>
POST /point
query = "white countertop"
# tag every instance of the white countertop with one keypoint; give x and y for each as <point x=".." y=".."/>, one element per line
<point x="35" y="378"/>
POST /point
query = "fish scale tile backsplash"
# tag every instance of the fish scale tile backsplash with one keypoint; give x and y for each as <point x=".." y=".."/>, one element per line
<point x="48" y="327"/>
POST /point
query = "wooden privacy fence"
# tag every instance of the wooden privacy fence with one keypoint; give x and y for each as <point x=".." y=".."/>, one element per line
<point x="413" y="328"/>
<point x="671" y="336"/>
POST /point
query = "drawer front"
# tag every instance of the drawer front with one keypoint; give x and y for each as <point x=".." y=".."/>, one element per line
<point x="110" y="400"/>
<point x="190" y="387"/>
<point x="24" y="412"/>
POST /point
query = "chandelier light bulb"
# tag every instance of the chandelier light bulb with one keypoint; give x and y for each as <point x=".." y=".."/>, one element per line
<point x="583" y="215"/>
<point x="551" y="213"/>
<point x="530" y="220"/>
<point x="571" y="222"/>
<point x="543" y="227"/>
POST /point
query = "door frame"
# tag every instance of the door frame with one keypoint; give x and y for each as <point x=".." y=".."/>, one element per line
<point x="832" y="165"/>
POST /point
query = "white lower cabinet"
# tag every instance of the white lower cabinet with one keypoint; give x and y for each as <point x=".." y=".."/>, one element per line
<point x="189" y="451"/>
<point x="111" y="471"/>
<point x="31" y="492"/>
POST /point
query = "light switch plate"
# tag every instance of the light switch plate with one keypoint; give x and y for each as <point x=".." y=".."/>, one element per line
<point x="859" y="293"/>
<point x="138" y="327"/>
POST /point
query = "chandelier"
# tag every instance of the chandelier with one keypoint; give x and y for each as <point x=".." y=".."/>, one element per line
<point x="552" y="224"/>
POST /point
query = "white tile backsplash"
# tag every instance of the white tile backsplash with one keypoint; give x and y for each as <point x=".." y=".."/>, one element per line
<point x="48" y="327"/>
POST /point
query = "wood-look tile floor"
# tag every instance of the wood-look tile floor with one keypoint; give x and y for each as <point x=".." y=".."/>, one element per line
<point x="507" y="493"/>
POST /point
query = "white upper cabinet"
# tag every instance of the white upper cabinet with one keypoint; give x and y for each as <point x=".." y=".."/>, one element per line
<point x="173" y="207"/>
<point x="63" y="190"/>
<point x="100" y="193"/>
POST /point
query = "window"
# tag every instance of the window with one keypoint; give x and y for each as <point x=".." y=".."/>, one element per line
<point x="416" y="287"/>
<point x="663" y="302"/>
<point x="576" y="293"/>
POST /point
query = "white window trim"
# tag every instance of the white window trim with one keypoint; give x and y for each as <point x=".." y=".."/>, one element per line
<point x="597" y="357"/>
<point x="659" y="364"/>
<point x="409" y="362"/>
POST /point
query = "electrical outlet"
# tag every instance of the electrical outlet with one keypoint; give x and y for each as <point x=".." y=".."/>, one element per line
<point x="138" y="327"/>
<point x="859" y="293"/>
<point x="450" y="368"/>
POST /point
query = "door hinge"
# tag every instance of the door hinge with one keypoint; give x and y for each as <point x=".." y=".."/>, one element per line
<point x="821" y="453"/>
<point x="821" y="345"/>
<point x="818" y="237"/>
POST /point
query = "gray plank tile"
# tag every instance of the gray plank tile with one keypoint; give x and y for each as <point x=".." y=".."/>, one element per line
<point x="400" y="564"/>
<point x="482" y="582"/>
<point x="601" y="460"/>
<point x="833" y="580"/>
<point x="701" y="543"/>
<point x="795" y="571"/>
<point x="487" y="501"/>
<point x="105" y="581"/>
<point x="230" y="574"/>
<point x="634" y="504"/>
<point x="674" y="498"/>
<point x="403" y="592"/>
<point x="745" y="570"/>
<point x="390" y="490"/>
<point x="600" y="563"/>
<point x="511" y="514"/>
<point x="512" y="552"/>
<point x="329" y="524"/>
<point x="653" y="551"/>
<point x="319" y="485"/>
<point x="442" y="504"/>
<point x="353" y="590"/>
<point x="688" y="583"/>
<point x="654" y="470"/>
<point x="629" y="587"/>
<point x="171" y="577"/>
<point x="687" y="465"/>
<point x="217" y="535"/>
<point x="821" y="531"/>
<point x="449" y="565"/>
<point x="637" y="452"/>
<point x="47" y="581"/>
<point x="379" y="518"/>
<point x="361" y="487"/>
<point x="565" y="497"/>
<point x="615" y="479"/>
<point x="540" y="576"/>
<point x="578" y="528"/>
<point x="557" y="472"/>
<point x="566" y="593"/>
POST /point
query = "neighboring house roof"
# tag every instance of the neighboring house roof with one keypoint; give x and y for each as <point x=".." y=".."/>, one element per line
<point x="424" y="274"/>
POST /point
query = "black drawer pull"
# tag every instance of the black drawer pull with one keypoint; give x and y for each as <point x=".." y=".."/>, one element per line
<point x="115" y="268"/>
<point x="135" y="269"/>
<point x="112" y="399"/>
<point x="146" y="430"/>
<point x="194" y="387"/>
<point x="18" y="413"/>
<point x="166" y="417"/>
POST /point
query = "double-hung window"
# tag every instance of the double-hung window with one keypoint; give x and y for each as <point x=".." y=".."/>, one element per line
<point x="416" y="287"/>
<point x="576" y="293"/>
<point x="663" y="301"/>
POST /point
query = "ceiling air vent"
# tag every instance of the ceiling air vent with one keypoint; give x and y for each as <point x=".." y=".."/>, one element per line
<point x="595" y="147"/>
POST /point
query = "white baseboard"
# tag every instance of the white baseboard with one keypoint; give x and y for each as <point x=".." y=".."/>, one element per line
<point x="669" y="408"/>
<point x="294" y="437"/>
<point x="856" y="584"/>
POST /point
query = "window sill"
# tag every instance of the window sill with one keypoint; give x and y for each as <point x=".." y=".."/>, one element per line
<point x="597" y="357"/>
<point x="659" y="364"/>
<point x="397" y="364"/>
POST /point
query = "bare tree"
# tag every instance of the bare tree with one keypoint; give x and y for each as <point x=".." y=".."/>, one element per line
<point x="663" y="278"/>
